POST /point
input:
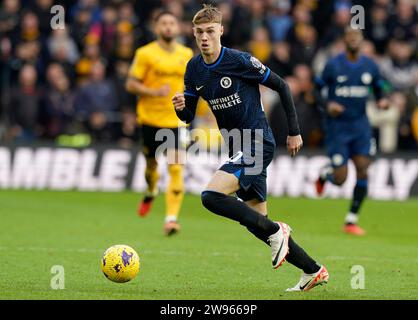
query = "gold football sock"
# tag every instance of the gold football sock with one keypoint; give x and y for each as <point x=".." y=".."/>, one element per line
<point x="175" y="191"/>
<point x="151" y="177"/>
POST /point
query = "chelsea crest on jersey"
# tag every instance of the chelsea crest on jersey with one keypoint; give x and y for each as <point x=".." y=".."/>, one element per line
<point x="230" y="85"/>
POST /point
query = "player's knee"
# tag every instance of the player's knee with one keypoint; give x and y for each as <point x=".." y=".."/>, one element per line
<point x="361" y="172"/>
<point x="152" y="164"/>
<point x="339" y="179"/>
<point x="207" y="199"/>
<point x="210" y="199"/>
<point x="362" y="175"/>
<point x="175" y="169"/>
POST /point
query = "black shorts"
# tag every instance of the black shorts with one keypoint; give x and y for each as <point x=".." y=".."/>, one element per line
<point x="157" y="140"/>
<point x="252" y="177"/>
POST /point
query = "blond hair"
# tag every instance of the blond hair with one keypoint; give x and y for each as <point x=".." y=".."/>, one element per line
<point x="208" y="14"/>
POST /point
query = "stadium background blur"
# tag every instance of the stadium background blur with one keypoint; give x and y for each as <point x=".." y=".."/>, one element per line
<point x="66" y="86"/>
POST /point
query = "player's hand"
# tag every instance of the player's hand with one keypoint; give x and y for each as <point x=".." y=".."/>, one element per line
<point x="163" y="91"/>
<point x="294" y="143"/>
<point x="383" y="103"/>
<point x="334" y="109"/>
<point x="179" y="102"/>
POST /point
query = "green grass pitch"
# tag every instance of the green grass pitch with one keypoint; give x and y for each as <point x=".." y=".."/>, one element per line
<point x="212" y="257"/>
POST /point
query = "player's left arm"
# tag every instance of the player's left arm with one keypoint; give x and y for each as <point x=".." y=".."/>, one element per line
<point x="254" y="71"/>
<point x="185" y="104"/>
<point x="378" y="84"/>
<point x="294" y="139"/>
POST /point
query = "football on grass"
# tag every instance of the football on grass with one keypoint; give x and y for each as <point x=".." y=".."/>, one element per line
<point x="120" y="263"/>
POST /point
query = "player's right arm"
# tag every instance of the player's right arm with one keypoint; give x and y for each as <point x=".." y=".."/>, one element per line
<point x="185" y="104"/>
<point x="134" y="84"/>
<point x="136" y="87"/>
<point x="294" y="139"/>
<point x="333" y="108"/>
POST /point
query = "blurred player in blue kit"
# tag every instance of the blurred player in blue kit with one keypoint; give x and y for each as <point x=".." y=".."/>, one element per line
<point x="229" y="81"/>
<point x="349" y="77"/>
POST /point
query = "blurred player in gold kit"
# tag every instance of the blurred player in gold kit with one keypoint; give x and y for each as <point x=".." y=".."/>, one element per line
<point x="155" y="75"/>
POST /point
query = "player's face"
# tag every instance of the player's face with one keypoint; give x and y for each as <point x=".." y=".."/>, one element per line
<point x="353" y="40"/>
<point x="167" y="27"/>
<point x="208" y="37"/>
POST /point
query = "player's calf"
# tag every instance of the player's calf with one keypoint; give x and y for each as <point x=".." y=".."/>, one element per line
<point x="336" y="176"/>
<point x="279" y="243"/>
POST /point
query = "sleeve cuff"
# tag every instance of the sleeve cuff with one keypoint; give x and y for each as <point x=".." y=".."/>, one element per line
<point x="191" y="94"/>
<point x="266" y="75"/>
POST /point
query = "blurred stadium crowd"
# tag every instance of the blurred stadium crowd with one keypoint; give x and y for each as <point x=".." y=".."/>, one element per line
<point x="66" y="83"/>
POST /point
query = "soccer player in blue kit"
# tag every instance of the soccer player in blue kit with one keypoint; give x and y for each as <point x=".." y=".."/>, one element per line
<point x="349" y="77"/>
<point x="229" y="81"/>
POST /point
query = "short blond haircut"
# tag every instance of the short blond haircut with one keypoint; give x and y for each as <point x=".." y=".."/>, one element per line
<point x="208" y="14"/>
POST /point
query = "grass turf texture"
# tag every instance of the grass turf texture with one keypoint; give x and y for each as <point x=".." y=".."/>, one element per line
<point x="212" y="257"/>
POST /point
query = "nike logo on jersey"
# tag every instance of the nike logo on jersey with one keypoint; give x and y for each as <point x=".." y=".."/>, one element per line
<point x="198" y="88"/>
<point x="342" y="78"/>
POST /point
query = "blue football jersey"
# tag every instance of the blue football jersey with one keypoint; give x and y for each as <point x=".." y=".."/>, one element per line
<point x="349" y="84"/>
<point x="230" y="85"/>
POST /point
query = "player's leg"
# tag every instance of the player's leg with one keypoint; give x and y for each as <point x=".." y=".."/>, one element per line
<point x="313" y="273"/>
<point x="362" y="149"/>
<point x="361" y="164"/>
<point x="151" y="170"/>
<point x="261" y="208"/>
<point x="175" y="191"/>
<point x="216" y="198"/>
<point x="151" y="178"/>
<point x="336" y="171"/>
<point x="297" y="256"/>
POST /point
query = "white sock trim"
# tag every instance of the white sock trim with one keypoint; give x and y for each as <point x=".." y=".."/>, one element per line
<point x="170" y="218"/>
<point x="351" y="218"/>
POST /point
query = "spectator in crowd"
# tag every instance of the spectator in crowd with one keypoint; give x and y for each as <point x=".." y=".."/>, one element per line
<point x="58" y="102"/>
<point x="260" y="45"/>
<point x="29" y="45"/>
<point x="258" y="14"/>
<point x="9" y="16"/>
<point x="303" y="49"/>
<point x="25" y="107"/>
<point x="278" y="20"/>
<point x="125" y="42"/>
<point x="80" y="27"/>
<point x="126" y="14"/>
<point x="403" y="23"/>
<point x="42" y="9"/>
<point x="301" y="17"/>
<point x="340" y="19"/>
<point x="280" y="61"/>
<point x="108" y="29"/>
<point x="308" y="107"/>
<point x="90" y="6"/>
<point x="126" y="100"/>
<point x="377" y="28"/>
<point x="240" y="13"/>
<point x="127" y="131"/>
<point x="62" y="47"/>
<point x="226" y="10"/>
<point x="399" y="67"/>
<point x="91" y="55"/>
<point x="96" y="104"/>
<point x="410" y="115"/>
